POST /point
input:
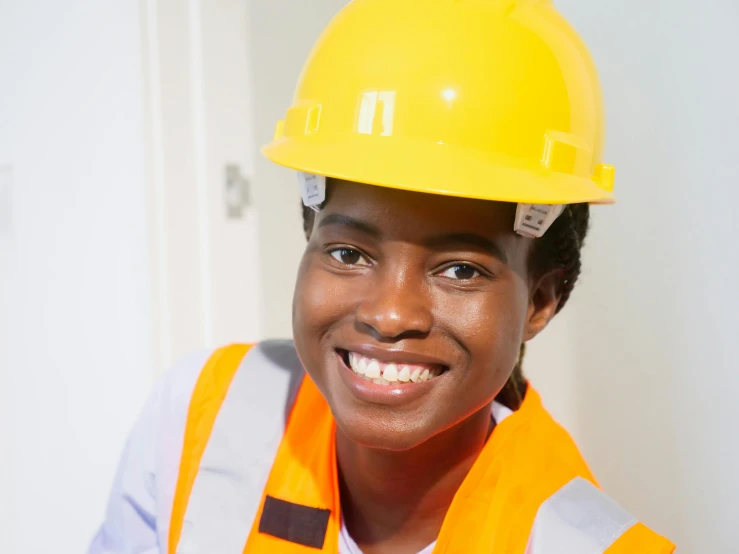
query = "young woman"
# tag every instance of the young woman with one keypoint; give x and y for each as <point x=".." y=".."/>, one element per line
<point x="447" y="151"/>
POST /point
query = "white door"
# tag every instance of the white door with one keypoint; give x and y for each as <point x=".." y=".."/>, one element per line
<point x="200" y="168"/>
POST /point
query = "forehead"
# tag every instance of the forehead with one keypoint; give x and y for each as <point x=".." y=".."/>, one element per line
<point x="402" y="213"/>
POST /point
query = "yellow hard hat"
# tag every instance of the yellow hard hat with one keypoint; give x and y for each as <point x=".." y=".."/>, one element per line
<point x="489" y="99"/>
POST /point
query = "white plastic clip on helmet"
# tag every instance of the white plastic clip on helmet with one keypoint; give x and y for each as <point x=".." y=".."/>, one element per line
<point x="532" y="220"/>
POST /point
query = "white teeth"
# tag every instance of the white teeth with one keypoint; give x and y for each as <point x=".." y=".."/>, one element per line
<point x="373" y="370"/>
<point x="405" y="374"/>
<point x="381" y="373"/>
<point x="391" y="373"/>
<point x="355" y="362"/>
<point x="416" y="374"/>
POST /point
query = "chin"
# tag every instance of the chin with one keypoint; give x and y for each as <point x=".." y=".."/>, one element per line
<point x="391" y="436"/>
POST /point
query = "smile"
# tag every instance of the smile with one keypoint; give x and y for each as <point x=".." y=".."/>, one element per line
<point x="382" y="373"/>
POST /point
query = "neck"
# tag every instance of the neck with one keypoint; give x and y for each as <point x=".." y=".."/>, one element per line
<point x="396" y="501"/>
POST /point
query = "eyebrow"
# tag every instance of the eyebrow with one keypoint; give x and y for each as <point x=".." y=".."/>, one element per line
<point x="346" y="221"/>
<point x="441" y="241"/>
<point x="466" y="239"/>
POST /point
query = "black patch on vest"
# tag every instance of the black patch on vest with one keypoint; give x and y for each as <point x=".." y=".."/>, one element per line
<point x="293" y="522"/>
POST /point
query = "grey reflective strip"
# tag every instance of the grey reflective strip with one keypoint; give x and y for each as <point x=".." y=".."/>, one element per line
<point x="239" y="455"/>
<point x="578" y="519"/>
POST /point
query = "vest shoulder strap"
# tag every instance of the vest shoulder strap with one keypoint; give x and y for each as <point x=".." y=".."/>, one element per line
<point x="236" y="419"/>
<point x="531" y="491"/>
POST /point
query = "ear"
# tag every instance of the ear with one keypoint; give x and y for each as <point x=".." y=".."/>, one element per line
<point x="543" y="303"/>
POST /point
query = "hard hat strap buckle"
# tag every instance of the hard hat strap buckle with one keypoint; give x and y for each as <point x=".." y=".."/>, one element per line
<point x="533" y="220"/>
<point x="312" y="189"/>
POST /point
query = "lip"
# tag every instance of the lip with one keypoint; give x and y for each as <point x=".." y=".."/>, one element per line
<point x="396" y="355"/>
<point x="389" y="395"/>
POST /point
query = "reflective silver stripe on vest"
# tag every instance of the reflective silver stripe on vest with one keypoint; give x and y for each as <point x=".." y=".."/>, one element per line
<point x="239" y="454"/>
<point x="578" y="519"/>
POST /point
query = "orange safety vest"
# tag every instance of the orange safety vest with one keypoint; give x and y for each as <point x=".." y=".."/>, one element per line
<point x="529" y="491"/>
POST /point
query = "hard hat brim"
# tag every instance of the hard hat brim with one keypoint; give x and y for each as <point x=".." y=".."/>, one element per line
<point x="434" y="168"/>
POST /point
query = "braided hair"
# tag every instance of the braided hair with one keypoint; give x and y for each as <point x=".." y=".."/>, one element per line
<point x="559" y="249"/>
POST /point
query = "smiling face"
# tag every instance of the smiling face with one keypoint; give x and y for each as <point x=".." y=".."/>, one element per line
<point x="410" y="309"/>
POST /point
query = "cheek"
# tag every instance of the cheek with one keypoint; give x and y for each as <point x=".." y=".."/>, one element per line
<point x="320" y="299"/>
<point x="490" y="327"/>
<point x="322" y="303"/>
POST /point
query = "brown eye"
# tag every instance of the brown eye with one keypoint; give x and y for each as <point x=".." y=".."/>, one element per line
<point x="461" y="272"/>
<point x="348" y="256"/>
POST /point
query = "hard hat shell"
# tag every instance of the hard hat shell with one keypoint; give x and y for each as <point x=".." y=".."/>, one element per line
<point x="489" y="99"/>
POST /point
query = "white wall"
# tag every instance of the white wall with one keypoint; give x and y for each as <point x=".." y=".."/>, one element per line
<point x="116" y="126"/>
<point x="76" y="353"/>
<point x="282" y="33"/>
<point x="654" y="381"/>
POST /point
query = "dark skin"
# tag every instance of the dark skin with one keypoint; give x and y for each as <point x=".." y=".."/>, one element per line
<point x="425" y="278"/>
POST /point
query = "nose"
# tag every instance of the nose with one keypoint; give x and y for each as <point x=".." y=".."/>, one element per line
<point x="396" y="307"/>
